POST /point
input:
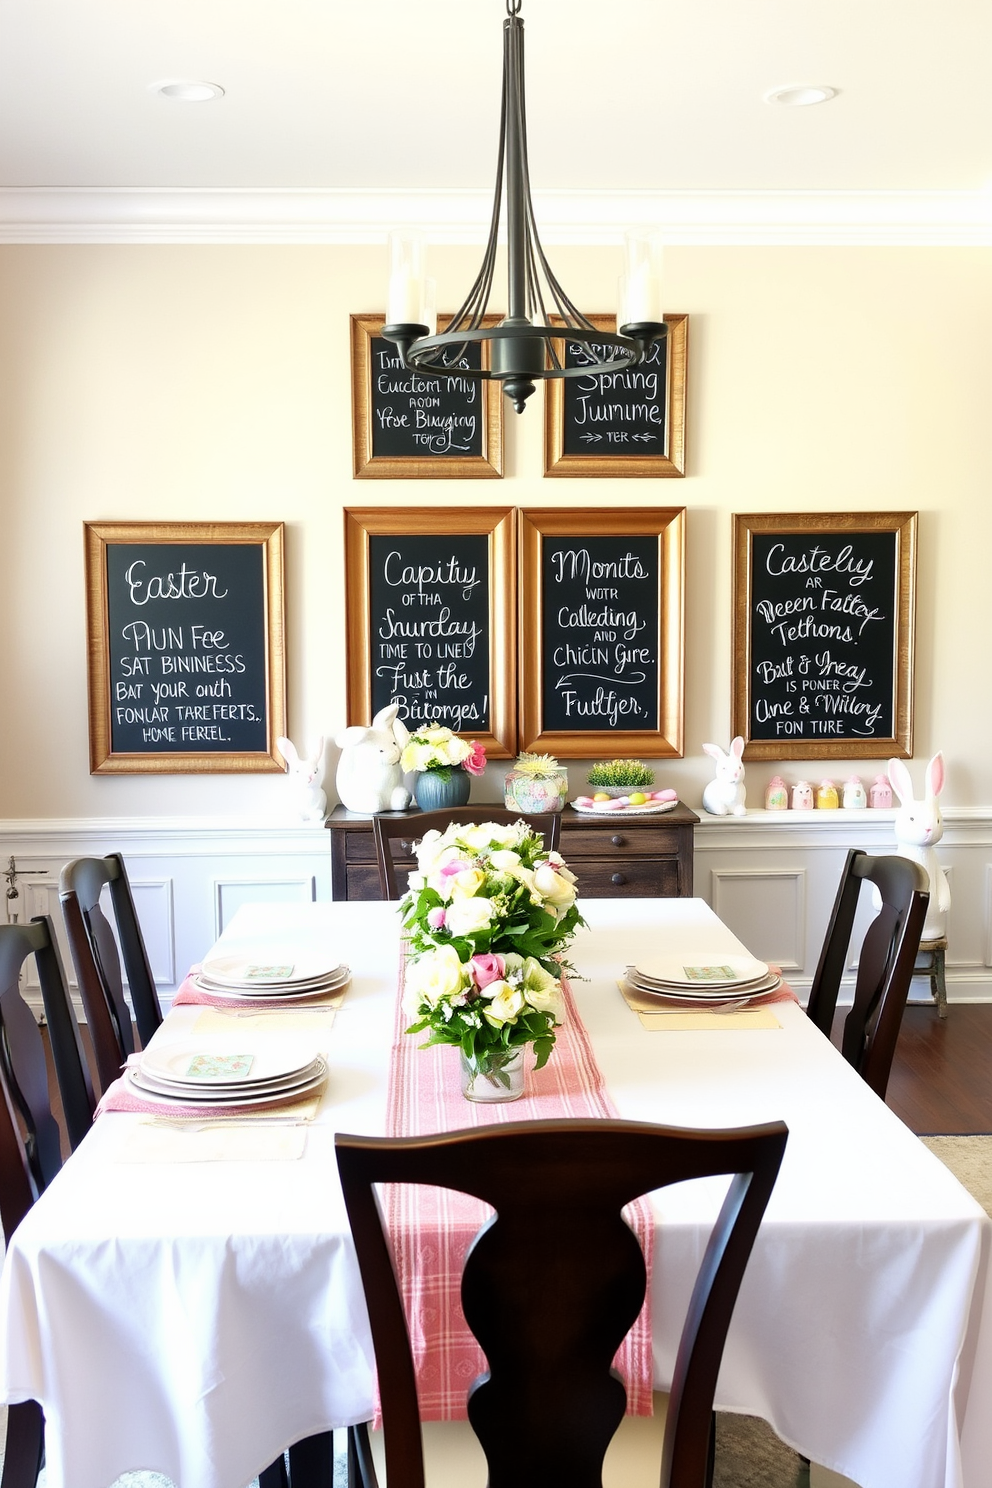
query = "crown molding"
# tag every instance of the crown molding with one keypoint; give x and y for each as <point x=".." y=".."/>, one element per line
<point x="586" y="218"/>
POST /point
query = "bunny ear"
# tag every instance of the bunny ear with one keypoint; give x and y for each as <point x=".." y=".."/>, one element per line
<point x="737" y="746"/>
<point x="713" y="750"/>
<point x="288" y="751"/>
<point x="935" y="776"/>
<point x="900" y="780"/>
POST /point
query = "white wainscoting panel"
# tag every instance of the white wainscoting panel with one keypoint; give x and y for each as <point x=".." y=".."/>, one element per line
<point x="766" y="909"/>
<point x="231" y="894"/>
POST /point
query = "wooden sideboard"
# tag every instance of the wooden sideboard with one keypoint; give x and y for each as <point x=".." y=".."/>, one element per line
<point x="638" y="857"/>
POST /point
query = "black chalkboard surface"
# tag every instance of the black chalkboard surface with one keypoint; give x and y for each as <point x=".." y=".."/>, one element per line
<point x="181" y="646"/>
<point x="601" y="658"/>
<point x="825" y="624"/>
<point x="429" y="631"/>
<point x="600" y="633"/>
<point x="420" y="424"/>
<point x="431" y="617"/>
<point x="630" y="422"/>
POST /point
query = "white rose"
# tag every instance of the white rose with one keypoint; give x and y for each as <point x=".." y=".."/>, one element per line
<point x="505" y="1007"/>
<point x="466" y="916"/>
<point x="429" y="849"/>
<point x="505" y="860"/>
<point x="466" y="885"/>
<point x="553" y="886"/>
<point x="434" y="978"/>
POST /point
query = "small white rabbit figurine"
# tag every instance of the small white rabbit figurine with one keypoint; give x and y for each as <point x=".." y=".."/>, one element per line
<point x="918" y="826"/>
<point x="724" y="796"/>
<point x="304" y="779"/>
<point x="369" y="777"/>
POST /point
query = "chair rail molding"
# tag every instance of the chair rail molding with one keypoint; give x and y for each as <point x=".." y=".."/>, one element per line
<point x="771" y="875"/>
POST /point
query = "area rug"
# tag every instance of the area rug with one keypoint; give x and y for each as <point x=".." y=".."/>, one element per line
<point x="970" y="1160"/>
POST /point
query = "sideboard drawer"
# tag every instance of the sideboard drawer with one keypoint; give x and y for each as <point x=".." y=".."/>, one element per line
<point x="597" y="842"/>
<point x="632" y="878"/>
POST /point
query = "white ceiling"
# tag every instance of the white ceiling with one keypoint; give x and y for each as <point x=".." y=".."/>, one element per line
<point x="387" y="96"/>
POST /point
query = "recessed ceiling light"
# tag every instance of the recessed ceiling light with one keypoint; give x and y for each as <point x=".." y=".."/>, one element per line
<point x="190" y="92"/>
<point x="801" y="95"/>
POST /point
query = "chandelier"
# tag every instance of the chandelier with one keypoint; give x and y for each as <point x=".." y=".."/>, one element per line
<point x="522" y="348"/>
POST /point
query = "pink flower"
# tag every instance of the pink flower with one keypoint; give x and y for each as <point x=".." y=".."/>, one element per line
<point x="487" y="968"/>
<point x="476" y="762"/>
<point x="435" y="917"/>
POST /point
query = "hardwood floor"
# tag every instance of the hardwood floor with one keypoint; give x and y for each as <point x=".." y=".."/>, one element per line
<point x="941" y="1081"/>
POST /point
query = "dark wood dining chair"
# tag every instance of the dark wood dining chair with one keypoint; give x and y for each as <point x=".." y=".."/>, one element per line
<point x="550" y="1402"/>
<point x="30" y="1146"/>
<point x="885" y="964"/>
<point x="396" y="836"/>
<point x="98" y="965"/>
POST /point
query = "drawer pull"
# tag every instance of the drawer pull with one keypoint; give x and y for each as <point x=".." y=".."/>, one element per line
<point x="618" y="878"/>
<point x="618" y="841"/>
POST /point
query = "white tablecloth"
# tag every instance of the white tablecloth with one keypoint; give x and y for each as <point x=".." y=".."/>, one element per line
<point x="197" y="1318"/>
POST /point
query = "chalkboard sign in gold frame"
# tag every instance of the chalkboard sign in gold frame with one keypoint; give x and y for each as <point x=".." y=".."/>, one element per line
<point x="431" y="618"/>
<point x="180" y="655"/>
<point x="824" y="607"/>
<point x="602" y="623"/>
<point x="425" y="403"/>
<point x="622" y="417"/>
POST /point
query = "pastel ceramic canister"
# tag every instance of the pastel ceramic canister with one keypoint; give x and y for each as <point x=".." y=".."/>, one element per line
<point x="826" y="796"/>
<point x="802" y="796"/>
<point x="776" y="794"/>
<point x="880" y="795"/>
<point x="855" y="798"/>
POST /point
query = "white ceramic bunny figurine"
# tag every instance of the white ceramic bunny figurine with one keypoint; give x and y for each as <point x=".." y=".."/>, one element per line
<point x="724" y="796"/>
<point x="918" y="827"/>
<point x="369" y="777"/>
<point x="304" y="779"/>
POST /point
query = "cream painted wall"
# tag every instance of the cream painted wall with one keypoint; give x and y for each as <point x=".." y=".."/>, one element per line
<point x="213" y="383"/>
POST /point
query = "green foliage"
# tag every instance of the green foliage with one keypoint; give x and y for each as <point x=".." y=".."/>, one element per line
<point x="619" y="774"/>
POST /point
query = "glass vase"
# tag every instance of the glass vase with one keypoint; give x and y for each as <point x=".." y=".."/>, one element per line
<point x="434" y="793"/>
<point x="494" y="1077"/>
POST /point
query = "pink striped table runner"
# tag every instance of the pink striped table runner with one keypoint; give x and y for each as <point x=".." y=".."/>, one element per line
<point x="431" y="1229"/>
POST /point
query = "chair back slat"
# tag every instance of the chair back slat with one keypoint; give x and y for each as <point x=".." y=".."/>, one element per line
<point x="29" y="1136"/>
<point x="406" y="831"/>
<point x="885" y="964"/>
<point x="554" y="1281"/>
<point x="98" y="964"/>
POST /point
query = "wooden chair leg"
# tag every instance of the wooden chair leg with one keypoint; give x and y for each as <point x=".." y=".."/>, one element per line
<point x="361" y="1469"/>
<point x="311" y="1461"/>
<point x="25" y="1445"/>
<point x="274" y="1476"/>
<point x="938" y="984"/>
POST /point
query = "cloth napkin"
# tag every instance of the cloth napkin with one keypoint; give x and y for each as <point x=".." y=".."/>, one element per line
<point x="188" y="994"/>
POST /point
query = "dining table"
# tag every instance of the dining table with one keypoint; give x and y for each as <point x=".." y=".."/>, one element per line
<point x="188" y="1300"/>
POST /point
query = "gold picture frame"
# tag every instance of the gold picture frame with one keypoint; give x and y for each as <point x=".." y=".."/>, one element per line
<point x="223" y="666"/>
<point x="431" y="465"/>
<point x="824" y="617"/>
<point x="419" y="598"/>
<point x="632" y="538"/>
<point x="562" y="460"/>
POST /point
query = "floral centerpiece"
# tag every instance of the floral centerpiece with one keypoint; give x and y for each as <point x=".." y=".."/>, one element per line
<point x="442" y="759"/>
<point x="487" y="916"/>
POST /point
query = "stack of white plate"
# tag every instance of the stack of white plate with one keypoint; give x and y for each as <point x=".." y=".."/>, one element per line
<point x="241" y="979"/>
<point x="187" y="1074"/>
<point x="702" y="981"/>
